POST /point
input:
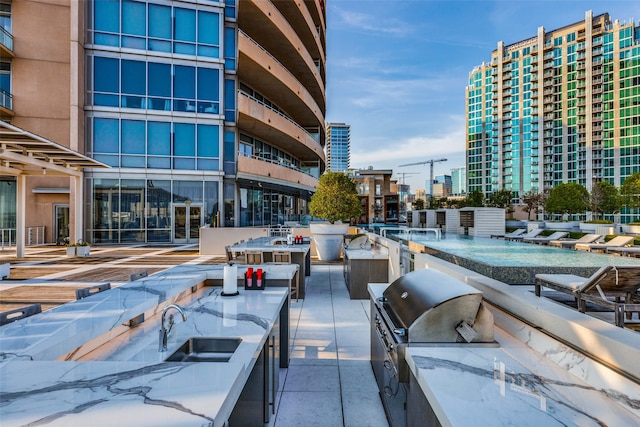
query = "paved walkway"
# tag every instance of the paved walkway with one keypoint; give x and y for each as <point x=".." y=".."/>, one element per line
<point x="329" y="382"/>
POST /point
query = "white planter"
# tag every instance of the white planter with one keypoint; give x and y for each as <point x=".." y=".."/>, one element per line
<point x="71" y="251"/>
<point x="83" y="250"/>
<point x="328" y="239"/>
<point x="5" y="270"/>
<point x="630" y="229"/>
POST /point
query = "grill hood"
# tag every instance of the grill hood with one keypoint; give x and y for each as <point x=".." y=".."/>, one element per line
<point x="433" y="307"/>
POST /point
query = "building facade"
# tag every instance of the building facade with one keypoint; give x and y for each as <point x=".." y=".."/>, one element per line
<point x="561" y="106"/>
<point x="458" y="181"/>
<point x="338" y="147"/>
<point x="378" y="194"/>
<point x="207" y="112"/>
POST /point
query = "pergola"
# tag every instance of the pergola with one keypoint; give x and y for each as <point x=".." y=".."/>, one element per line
<point x="23" y="154"/>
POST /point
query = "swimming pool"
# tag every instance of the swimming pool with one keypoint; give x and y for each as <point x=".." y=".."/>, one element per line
<point x="515" y="262"/>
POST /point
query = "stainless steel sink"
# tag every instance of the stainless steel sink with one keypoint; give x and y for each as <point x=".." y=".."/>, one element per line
<point x="203" y="349"/>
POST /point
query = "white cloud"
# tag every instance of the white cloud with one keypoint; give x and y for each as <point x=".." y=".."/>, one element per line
<point x="413" y="149"/>
<point x="372" y="23"/>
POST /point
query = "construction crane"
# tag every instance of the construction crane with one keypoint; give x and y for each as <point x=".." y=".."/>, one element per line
<point x="427" y="162"/>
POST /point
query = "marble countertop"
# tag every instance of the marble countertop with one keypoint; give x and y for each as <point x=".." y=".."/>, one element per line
<point x="377" y="252"/>
<point x="514" y="385"/>
<point x="124" y="373"/>
<point x="271" y="244"/>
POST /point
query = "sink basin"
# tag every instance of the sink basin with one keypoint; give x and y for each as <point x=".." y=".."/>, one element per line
<point x="202" y="349"/>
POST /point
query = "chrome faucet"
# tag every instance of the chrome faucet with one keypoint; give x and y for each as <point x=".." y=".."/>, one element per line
<point x="164" y="332"/>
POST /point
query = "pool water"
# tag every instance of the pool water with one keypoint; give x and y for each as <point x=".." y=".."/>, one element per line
<point x="504" y="253"/>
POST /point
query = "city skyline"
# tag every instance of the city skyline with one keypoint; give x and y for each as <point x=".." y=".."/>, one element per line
<point x="381" y="59"/>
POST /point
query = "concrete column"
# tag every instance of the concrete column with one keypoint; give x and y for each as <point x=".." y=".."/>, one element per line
<point x="21" y="191"/>
<point x="76" y="217"/>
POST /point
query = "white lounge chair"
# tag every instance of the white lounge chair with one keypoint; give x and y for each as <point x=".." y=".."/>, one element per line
<point x="515" y="232"/>
<point x="571" y="243"/>
<point x="533" y="233"/>
<point x="619" y="241"/>
<point x="546" y="239"/>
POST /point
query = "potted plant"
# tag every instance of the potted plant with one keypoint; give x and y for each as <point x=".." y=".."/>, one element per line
<point x="335" y="200"/>
<point x="81" y="248"/>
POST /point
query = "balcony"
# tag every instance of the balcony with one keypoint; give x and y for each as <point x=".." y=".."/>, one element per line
<point x="6" y="43"/>
<point x="272" y="79"/>
<point x="6" y="103"/>
<point x="275" y="128"/>
<point x="251" y="167"/>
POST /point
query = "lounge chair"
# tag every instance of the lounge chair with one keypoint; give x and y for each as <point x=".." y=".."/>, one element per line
<point x="515" y="232"/>
<point x="616" y="241"/>
<point x="570" y="244"/>
<point x="614" y="287"/>
<point x="533" y="233"/>
<point x="545" y="240"/>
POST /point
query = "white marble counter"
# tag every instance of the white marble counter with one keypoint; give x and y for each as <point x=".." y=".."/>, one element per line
<point x="510" y="385"/>
<point x="377" y="252"/>
<point x="269" y="244"/>
<point x="121" y="370"/>
<point x="513" y="384"/>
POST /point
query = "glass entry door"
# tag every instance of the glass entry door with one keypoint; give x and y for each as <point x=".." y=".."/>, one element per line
<point x="186" y="223"/>
<point x="61" y="232"/>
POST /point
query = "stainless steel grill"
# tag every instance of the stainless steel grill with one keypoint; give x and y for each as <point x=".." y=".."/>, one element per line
<point x="429" y="306"/>
<point x="424" y="307"/>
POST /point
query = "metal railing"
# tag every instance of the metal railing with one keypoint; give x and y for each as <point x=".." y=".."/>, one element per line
<point x="6" y="38"/>
<point x="7" y="237"/>
<point x="33" y="236"/>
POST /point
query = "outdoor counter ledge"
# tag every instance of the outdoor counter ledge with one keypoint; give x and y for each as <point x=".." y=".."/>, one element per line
<point x="120" y="370"/>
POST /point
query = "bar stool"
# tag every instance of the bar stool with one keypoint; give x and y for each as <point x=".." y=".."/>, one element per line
<point x="253" y="257"/>
<point x="284" y="257"/>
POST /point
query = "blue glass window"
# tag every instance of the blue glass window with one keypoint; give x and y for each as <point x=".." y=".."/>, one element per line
<point x="135" y="77"/>
<point x="230" y="100"/>
<point x="106" y="79"/>
<point x="208" y="84"/>
<point x="185" y="31"/>
<point x="106" y="75"/>
<point x="184" y="82"/>
<point x="208" y="34"/>
<point x="107" y="15"/>
<point x="229" y="152"/>
<point x="133" y="137"/>
<point x="230" y="48"/>
<point x="134" y="19"/>
<point x="160" y="28"/>
<point x="134" y="23"/>
<point x="105" y="136"/>
<point x="208" y="141"/>
<point x="159" y="138"/>
<point x="184" y="140"/>
<point x="159" y="86"/>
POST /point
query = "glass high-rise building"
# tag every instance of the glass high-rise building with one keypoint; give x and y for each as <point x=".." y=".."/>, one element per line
<point x="338" y="146"/>
<point x="207" y="112"/>
<point x="560" y="106"/>
<point x="458" y="181"/>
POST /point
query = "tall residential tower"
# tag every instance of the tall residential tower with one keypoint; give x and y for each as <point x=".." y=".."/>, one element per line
<point x="338" y="146"/>
<point x="205" y="112"/>
<point x="561" y="106"/>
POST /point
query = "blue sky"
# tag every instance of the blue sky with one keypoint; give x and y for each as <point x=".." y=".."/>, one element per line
<point x="397" y="70"/>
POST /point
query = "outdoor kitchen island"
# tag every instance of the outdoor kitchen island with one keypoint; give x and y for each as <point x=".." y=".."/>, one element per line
<point x="459" y="383"/>
<point x="91" y="362"/>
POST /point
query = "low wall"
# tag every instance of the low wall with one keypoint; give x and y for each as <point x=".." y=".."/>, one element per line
<point x="213" y="240"/>
<point x="604" y="342"/>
